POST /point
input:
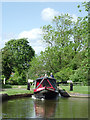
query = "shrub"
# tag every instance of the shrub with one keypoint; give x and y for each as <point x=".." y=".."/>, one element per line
<point x="18" y="79"/>
<point x="64" y="74"/>
<point x="80" y="75"/>
<point x="6" y="86"/>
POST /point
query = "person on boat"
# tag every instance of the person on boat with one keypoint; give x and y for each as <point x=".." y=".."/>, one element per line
<point x="52" y="75"/>
<point x="45" y="75"/>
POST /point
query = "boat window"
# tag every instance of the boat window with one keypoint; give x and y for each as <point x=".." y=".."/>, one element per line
<point x="38" y="82"/>
<point x="53" y="83"/>
<point x="46" y="83"/>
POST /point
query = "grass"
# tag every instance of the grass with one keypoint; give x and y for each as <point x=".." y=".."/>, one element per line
<point x="16" y="89"/>
<point x="21" y="86"/>
<point x="22" y="89"/>
<point x="6" y="86"/>
<point x="77" y="89"/>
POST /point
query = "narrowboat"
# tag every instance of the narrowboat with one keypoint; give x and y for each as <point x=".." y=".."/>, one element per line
<point x="46" y="88"/>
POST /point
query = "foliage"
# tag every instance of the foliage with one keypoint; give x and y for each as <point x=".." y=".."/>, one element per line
<point x="66" y="53"/>
<point x="16" y="55"/>
<point x="6" y="86"/>
<point x="0" y="65"/>
<point x="36" y="68"/>
<point x="58" y="34"/>
<point x="18" y="79"/>
<point x="64" y="74"/>
<point x="2" y="77"/>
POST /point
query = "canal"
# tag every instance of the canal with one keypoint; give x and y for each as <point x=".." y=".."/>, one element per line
<point x="35" y="108"/>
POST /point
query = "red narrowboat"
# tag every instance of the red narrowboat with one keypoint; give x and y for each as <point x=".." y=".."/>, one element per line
<point x="46" y="88"/>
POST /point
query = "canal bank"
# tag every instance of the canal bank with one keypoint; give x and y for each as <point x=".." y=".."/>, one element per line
<point x="5" y="97"/>
<point x="79" y="95"/>
<point x="68" y="94"/>
<point x="21" y="91"/>
<point x="12" y="93"/>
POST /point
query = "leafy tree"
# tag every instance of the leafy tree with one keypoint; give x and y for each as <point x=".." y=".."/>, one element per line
<point x="66" y="54"/>
<point x="59" y="33"/>
<point x="71" y="41"/>
<point x="16" y="54"/>
<point x="51" y="59"/>
<point x="17" y="79"/>
<point x="37" y="67"/>
<point x="0" y="68"/>
<point x="63" y="74"/>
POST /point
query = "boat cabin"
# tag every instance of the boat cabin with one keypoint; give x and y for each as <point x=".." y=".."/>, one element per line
<point x="46" y="88"/>
<point x="45" y="82"/>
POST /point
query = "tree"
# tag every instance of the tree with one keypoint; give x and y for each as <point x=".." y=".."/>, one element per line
<point x="16" y="54"/>
<point x="66" y="53"/>
<point x="59" y="32"/>
<point x="71" y="40"/>
<point x="37" y="67"/>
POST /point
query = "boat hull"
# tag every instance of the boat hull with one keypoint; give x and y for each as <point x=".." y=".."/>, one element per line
<point x="46" y="94"/>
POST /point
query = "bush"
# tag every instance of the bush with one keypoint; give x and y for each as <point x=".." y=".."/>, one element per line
<point x="64" y="74"/>
<point x="18" y="79"/>
<point x="80" y="75"/>
<point x="6" y="86"/>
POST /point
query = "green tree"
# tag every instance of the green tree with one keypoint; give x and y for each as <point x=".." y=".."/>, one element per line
<point x="37" y="67"/>
<point x="16" y="54"/>
<point x="59" y="32"/>
<point x="66" y="53"/>
<point x="71" y="40"/>
<point x="18" y="79"/>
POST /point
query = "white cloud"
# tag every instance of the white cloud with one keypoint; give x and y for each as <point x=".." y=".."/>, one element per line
<point x="34" y="38"/>
<point x="48" y="14"/>
<point x="32" y="34"/>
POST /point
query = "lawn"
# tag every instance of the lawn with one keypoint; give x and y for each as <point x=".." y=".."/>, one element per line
<point x="77" y="89"/>
<point x="16" y="89"/>
<point x="22" y="89"/>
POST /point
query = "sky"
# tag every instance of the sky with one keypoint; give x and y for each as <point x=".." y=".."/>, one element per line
<point x="24" y="19"/>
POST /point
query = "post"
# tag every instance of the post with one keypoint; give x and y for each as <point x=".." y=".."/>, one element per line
<point x="28" y="85"/>
<point x="71" y="86"/>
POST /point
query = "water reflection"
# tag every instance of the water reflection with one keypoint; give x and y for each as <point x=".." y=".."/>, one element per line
<point x="72" y="108"/>
<point x="30" y="108"/>
<point x="45" y="109"/>
<point x="18" y="108"/>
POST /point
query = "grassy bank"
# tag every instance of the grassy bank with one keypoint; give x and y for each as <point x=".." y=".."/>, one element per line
<point x="22" y="89"/>
<point x="16" y="89"/>
<point x="77" y="89"/>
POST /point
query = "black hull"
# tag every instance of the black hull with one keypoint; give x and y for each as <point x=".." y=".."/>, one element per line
<point x="46" y="94"/>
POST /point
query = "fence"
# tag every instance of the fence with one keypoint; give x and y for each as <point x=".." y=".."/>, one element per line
<point x="74" y="83"/>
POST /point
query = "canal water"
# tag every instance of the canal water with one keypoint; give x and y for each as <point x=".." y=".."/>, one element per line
<point x="35" y="108"/>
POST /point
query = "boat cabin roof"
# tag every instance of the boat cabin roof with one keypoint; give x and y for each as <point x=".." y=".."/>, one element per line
<point x="45" y="78"/>
<point x="45" y="81"/>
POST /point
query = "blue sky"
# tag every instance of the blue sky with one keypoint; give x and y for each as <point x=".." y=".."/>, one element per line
<point x="24" y="19"/>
